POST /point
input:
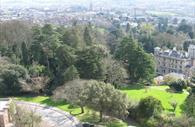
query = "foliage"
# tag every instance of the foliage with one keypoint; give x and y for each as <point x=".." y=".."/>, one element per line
<point x="168" y="79"/>
<point x="36" y="70"/>
<point x="10" y="76"/>
<point x="24" y="118"/>
<point x="183" y="121"/>
<point x="87" y="36"/>
<point x="189" y="105"/>
<point x="160" y="92"/>
<point x="178" y="85"/>
<point x="89" y="116"/>
<point x="105" y="99"/>
<point x="89" y="63"/>
<point x="71" y="73"/>
<point x="140" y="64"/>
<point x="115" y="72"/>
<point x="75" y="92"/>
<point x="174" y="104"/>
<point x="149" y="106"/>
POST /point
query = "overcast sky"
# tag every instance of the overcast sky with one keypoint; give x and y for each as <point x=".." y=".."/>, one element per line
<point x="96" y="2"/>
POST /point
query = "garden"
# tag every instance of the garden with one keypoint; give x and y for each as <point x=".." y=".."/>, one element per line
<point x="135" y="93"/>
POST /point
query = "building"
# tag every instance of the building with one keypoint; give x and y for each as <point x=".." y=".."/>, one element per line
<point x="173" y="61"/>
<point x="4" y="113"/>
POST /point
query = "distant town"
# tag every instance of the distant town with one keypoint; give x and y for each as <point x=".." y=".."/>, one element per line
<point x="96" y="13"/>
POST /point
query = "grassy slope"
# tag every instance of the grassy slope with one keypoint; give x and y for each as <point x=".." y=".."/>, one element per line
<point x="160" y="93"/>
<point x="134" y="93"/>
<point x="88" y="116"/>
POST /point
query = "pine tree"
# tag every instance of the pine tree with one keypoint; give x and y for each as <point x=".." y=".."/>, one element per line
<point x="87" y="36"/>
<point x="25" y="54"/>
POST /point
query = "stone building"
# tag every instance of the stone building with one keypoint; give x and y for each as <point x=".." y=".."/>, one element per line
<point x="4" y="113"/>
<point x="173" y="61"/>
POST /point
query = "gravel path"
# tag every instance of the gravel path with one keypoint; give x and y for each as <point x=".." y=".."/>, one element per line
<point x="53" y="117"/>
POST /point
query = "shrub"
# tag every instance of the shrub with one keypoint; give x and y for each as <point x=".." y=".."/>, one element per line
<point x="149" y="106"/>
<point x="183" y="121"/>
<point x="10" y="76"/>
<point x="133" y="109"/>
<point x="169" y="79"/>
<point x="189" y="105"/>
<point x="178" y="85"/>
<point x="174" y="104"/>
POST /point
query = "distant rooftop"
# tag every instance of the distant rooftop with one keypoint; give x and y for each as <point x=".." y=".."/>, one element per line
<point x="173" y="53"/>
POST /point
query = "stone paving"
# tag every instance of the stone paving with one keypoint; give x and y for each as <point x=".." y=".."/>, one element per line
<point x="52" y="117"/>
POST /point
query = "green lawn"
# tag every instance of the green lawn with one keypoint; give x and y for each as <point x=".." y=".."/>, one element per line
<point x="160" y="93"/>
<point x="134" y="93"/>
<point x="88" y="116"/>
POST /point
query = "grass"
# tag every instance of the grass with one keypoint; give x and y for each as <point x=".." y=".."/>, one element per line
<point x="134" y="93"/>
<point x="159" y="92"/>
<point x="89" y="115"/>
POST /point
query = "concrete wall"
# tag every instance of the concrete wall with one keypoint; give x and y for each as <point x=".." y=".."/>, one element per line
<point x="4" y="113"/>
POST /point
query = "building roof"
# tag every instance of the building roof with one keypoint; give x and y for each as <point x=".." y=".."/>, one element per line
<point x="174" y="53"/>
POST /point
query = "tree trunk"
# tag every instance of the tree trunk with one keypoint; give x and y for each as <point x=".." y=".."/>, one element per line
<point x="101" y="116"/>
<point x="82" y="110"/>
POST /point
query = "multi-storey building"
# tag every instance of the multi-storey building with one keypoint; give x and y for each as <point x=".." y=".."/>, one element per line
<point x="173" y="61"/>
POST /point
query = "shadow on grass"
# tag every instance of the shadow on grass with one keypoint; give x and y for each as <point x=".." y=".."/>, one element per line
<point x="53" y="103"/>
<point x="132" y="87"/>
<point x="171" y="110"/>
<point x="169" y="90"/>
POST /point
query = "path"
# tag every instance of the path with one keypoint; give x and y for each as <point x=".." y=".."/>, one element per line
<point x="53" y="117"/>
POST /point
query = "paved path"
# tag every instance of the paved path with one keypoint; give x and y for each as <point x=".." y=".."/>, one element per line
<point x="52" y="116"/>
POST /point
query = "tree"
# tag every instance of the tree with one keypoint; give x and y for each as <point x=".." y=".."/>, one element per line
<point x="178" y="85"/>
<point x="163" y="24"/>
<point x="149" y="106"/>
<point x="75" y="92"/>
<point x="87" y="36"/>
<point x="127" y="28"/>
<point x="71" y="38"/>
<point x="174" y="104"/>
<point x="9" y="83"/>
<point x="89" y="62"/>
<point x="183" y="121"/>
<point x="140" y="64"/>
<point x="184" y="27"/>
<point x="189" y="105"/>
<point x="10" y="76"/>
<point x="24" y="118"/>
<point x="25" y="54"/>
<point x="148" y="43"/>
<point x="147" y="29"/>
<point x="71" y="74"/>
<point x="47" y="29"/>
<point x="115" y="72"/>
<point x="36" y="70"/>
<point x="168" y="79"/>
<point x="107" y="100"/>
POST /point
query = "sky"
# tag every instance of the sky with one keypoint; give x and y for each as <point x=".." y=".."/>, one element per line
<point x="96" y="2"/>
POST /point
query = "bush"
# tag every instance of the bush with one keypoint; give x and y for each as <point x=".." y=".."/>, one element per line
<point x="189" y="105"/>
<point x="10" y="76"/>
<point x="133" y="110"/>
<point x="178" y="85"/>
<point x="149" y="106"/>
<point x="174" y="104"/>
<point x="169" y="79"/>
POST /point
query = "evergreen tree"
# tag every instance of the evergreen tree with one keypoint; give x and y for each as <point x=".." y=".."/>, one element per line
<point x="71" y="74"/>
<point x="87" y="36"/>
<point x="25" y="54"/>
<point x="140" y="64"/>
